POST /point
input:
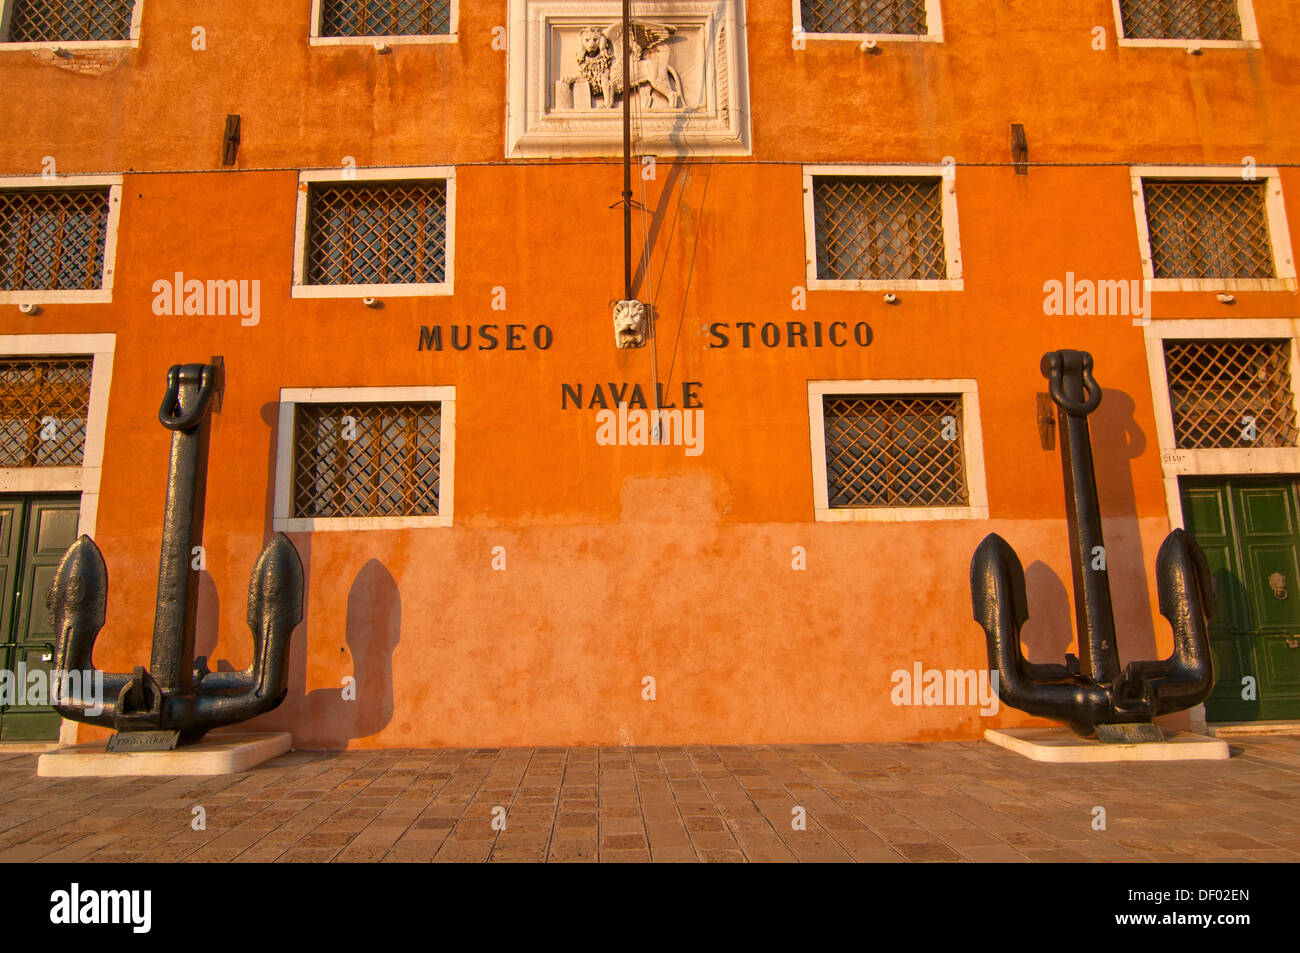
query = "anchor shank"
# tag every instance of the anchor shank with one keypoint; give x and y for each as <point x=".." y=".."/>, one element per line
<point x="1094" y="616"/>
<point x="172" y="660"/>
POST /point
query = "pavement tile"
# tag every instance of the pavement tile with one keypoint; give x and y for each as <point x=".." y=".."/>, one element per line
<point x="871" y="803"/>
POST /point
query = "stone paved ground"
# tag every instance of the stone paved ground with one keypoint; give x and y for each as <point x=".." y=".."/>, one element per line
<point x="879" y="802"/>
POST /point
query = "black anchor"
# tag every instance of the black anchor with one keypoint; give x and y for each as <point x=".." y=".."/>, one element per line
<point x="1091" y="690"/>
<point x="173" y="694"/>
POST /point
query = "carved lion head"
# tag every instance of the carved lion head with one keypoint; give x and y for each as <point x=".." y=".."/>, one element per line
<point x="629" y="324"/>
<point x="590" y="42"/>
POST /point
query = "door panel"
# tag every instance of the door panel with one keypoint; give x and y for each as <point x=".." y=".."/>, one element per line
<point x="1265" y="562"/>
<point x="1266" y="511"/>
<point x="1207" y="515"/>
<point x="1249" y="528"/>
<point x="11" y="520"/>
<point x="1279" y="658"/>
<point x="44" y="528"/>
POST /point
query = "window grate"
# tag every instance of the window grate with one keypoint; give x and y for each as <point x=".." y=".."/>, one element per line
<point x="52" y="239"/>
<point x="863" y="16"/>
<point x="894" y="451"/>
<point x="1231" y="393"/>
<point x="367" y="459"/>
<point x="378" y="234"/>
<point x="878" y="228"/>
<point x="43" y="407"/>
<point x="385" y="17"/>
<point x="1181" y="19"/>
<point x="35" y="21"/>
<point x="1208" y="229"/>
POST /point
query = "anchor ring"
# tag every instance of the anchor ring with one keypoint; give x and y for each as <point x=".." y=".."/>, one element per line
<point x="173" y="414"/>
<point x="1053" y="369"/>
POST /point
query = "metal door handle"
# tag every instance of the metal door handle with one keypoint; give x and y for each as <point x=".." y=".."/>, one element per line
<point x="1293" y="642"/>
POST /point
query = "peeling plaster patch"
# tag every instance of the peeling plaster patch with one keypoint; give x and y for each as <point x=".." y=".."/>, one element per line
<point x="82" y="61"/>
<point x="696" y="498"/>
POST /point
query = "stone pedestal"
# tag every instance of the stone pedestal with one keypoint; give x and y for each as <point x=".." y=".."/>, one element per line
<point x="215" y="754"/>
<point x="1246" y="729"/>
<point x="563" y="95"/>
<point x="1063" y="746"/>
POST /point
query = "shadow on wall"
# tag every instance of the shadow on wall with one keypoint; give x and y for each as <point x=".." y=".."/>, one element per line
<point x="325" y="717"/>
<point x="1116" y="441"/>
<point x="1047" y="636"/>
<point x="372" y="630"/>
<point x="207" y="621"/>
<point x="1049" y="633"/>
<point x="271" y="417"/>
<point x="373" y="623"/>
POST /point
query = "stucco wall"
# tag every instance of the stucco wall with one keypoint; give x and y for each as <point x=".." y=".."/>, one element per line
<point x="635" y="561"/>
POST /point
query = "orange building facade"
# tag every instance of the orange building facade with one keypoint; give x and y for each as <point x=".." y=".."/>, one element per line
<point x="573" y="586"/>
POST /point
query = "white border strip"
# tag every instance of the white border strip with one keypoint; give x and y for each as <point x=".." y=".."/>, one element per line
<point x="84" y="479"/>
<point x="933" y="29"/>
<point x="132" y="41"/>
<point x="284" y="456"/>
<point x="972" y="448"/>
<point x="951" y="231"/>
<point x="358" y="176"/>
<point x="1249" y="33"/>
<point x="1175" y="462"/>
<point x="104" y="293"/>
<point x="1274" y="207"/>
<point x="315" y="39"/>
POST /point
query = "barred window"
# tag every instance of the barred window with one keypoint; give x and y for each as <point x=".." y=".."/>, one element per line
<point x="43" y="407"/>
<point x="364" y="459"/>
<point x="377" y="234"/>
<point x="70" y="20"/>
<point x="385" y="17"/>
<point x="1231" y="393"/>
<point x="1181" y="19"/>
<point x="888" y="227"/>
<point x="894" y="451"/>
<point x="863" y="16"/>
<point x="52" y="239"/>
<point x="1208" y="229"/>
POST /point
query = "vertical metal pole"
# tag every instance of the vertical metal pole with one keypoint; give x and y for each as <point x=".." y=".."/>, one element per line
<point x="185" y="410"/>
<point x="172" y="660"/>
<point x="1094" y="615"/>
<point x="627" y="151"/>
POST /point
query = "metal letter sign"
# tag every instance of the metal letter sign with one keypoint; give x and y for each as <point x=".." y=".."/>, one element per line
<point x="175" y="696"/>
<point x="1090" y="693"/>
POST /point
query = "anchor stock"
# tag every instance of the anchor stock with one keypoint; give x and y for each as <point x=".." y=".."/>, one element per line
<point x="175" y="694"/>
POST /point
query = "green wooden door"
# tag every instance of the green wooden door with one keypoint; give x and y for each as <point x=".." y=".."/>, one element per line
<point x="1249" y="528"/>
<point x="35" y="532"/>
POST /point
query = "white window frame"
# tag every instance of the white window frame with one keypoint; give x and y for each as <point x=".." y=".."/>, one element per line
<point x="84" y="479"/>
<point x="1175" y="462"/>
<point x="946" y="174"/>
<point x="972" y="449"/>
<point x="1279" y="234"/>
<point x="933" y="27"/>
<point x="104" y="293"/>
<point x="283" y="520"/>
<point x="362" y="177"/>
<point x="315" y="38"/>
<point x="132" y="42"/>
<point x="1249" y="33"/>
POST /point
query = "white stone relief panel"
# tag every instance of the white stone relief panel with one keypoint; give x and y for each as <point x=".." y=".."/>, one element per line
<point x="689" y="79"/>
